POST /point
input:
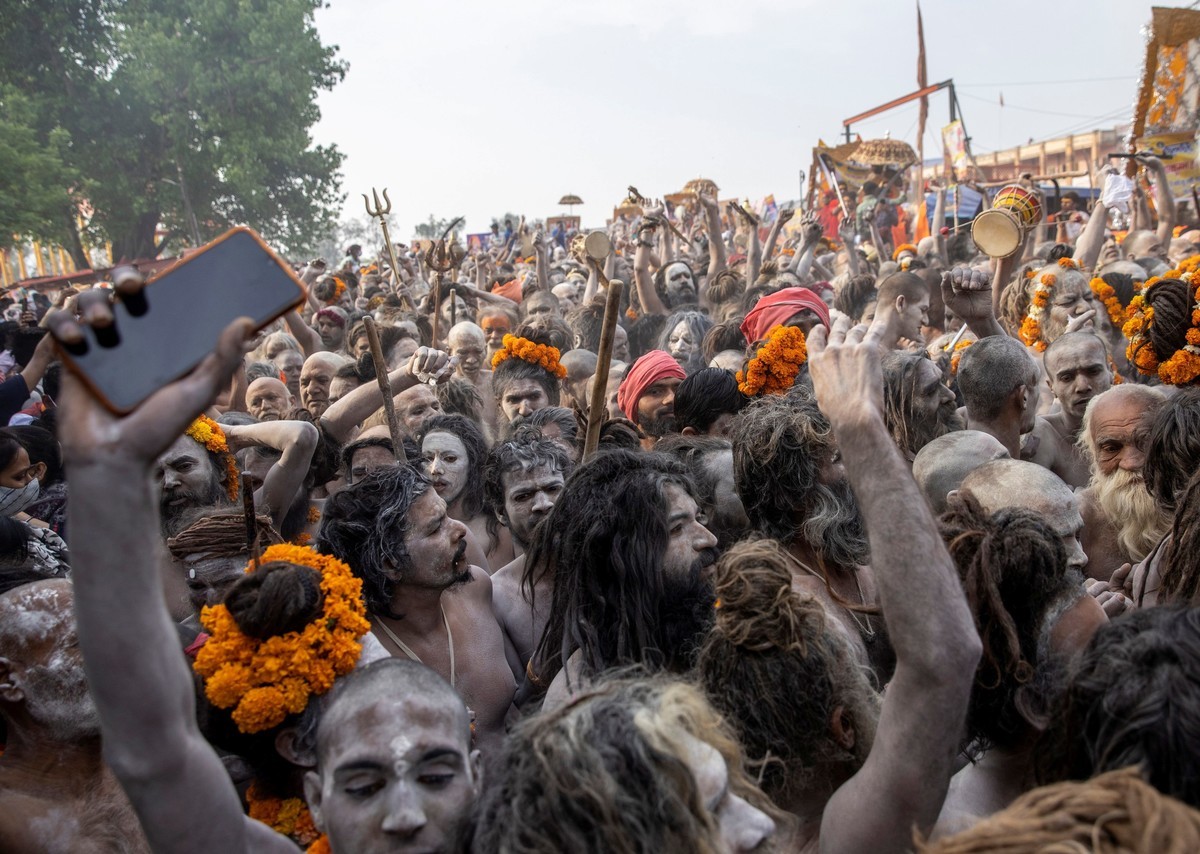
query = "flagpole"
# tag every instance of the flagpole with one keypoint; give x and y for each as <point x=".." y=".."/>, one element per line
<point x="922" y="82"/>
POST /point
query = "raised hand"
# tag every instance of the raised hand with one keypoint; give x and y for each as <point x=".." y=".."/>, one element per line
<point x="89" y="432"/>
<point x="968" y="293"/>
<point x="786" y="214"/>
<point x="810" y="229"/>
<point x="846" y="368"/>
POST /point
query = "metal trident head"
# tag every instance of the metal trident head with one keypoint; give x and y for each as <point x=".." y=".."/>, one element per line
<point x="383" y="208"/>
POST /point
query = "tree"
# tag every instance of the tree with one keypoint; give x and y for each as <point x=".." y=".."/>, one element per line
<point x="433" y="228"/>
<point x="36" y="204"/>
<point x="178" y="104"/>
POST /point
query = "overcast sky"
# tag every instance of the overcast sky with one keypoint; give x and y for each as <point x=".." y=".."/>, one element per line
<point x="475" y="108"/>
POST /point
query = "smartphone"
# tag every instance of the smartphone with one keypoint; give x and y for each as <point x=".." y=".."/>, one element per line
<point x="156" y="341"/>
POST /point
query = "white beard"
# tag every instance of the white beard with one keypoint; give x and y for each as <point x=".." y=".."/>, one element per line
<point x="1139" y="522"/>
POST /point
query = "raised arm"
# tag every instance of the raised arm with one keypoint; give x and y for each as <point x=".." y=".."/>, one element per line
<point x="846" y="232"/>
<point x="541" y="264"/>
<point x="643" y="280"/>
<point x="136" y="671"/>
<point x="310" y="341"/>
<point x="296" y="441"/>
<point x="1164" y="200"/>
<point x="784" y="217"/>
<point x="903" y="782"/>
<point x="1091" y="239"/>
<point x="342" y="417"/>
<point x="716" y="246"/>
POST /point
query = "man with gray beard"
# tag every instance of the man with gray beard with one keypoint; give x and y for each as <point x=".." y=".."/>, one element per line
<point x="788" y="471"/>
<point x="1121" y="521"/>
<point x="56" y="793"/>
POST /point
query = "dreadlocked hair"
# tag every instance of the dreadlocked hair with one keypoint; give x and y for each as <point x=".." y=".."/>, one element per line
<point x="771" y="665"/>
<point x="605" y="555"/>
<point x="721" y="337"/>
<point x="1181" y="561"/>
<point x="1115" y="813"/>
<point x="1133" y="699"/>
<point x="852" y="298"/>
<point x="1172" y="301"/>
<point x="609" y="773"/>
<point x="727" y="286"/>
<point x="220" y="534"/>
<point x="1172" y="473"/>
<point x="365" y="525"/>
<point x="1013" y="569"/>
<point x="275" y="599"/>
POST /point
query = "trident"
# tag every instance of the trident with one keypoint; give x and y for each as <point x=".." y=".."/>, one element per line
<point x="442" y="259"/>
<point x="382" y="209"/>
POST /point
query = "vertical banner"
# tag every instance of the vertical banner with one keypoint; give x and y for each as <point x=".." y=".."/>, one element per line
<point x="954" y="143"/>
<point x="1178" y="154"/>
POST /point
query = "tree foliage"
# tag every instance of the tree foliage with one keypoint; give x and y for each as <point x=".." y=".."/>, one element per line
<point x="212" y="100"/>
<point x="33" y="201"/>
<point x="433" y="228"/>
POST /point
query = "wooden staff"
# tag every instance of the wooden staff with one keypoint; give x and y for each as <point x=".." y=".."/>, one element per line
<point x="381" y="376"/>
<point x="598" y="409"/>
<point x="251" y="518"/>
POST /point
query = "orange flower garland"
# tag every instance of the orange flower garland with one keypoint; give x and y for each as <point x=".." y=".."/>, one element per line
<point x="1031" y="327"/>
<point x="289" y="816"/>
<point x="204" y="431"/>
<point x="542" y="355"/>
<point x="1105" y="293"/>
<point x="775" y="368"/>
<point x="339" y="288"/>
<point x="321" y="846"/>
<point x="264" y="681"/>
<point x="903" y="247"/>
<point x="1068" y="263"/>
<point x="1183" y="366"/>
<point x="957" y="357"/>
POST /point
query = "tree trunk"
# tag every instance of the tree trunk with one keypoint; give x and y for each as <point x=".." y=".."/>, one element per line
<point x="75" y="244"/>
<point x="139" y="242"/>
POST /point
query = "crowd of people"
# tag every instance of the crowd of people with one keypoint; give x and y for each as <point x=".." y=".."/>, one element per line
<point x="883" y="545"/>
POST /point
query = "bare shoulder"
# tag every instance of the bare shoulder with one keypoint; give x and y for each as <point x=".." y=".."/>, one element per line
<point x="479" y="586"/>
<point x="506" y="582"/>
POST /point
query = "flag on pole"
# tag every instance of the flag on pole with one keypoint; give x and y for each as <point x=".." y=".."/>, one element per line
<point x="1001" y="99"/>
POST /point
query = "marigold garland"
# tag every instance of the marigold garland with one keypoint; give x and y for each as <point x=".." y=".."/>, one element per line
<point x="903" y="247"/>
<point x="339" y="288"/>
<point x="1183" y="366"/>
<point x="1068" y="263"/>
<point x="208" y="433"/>
<point x="265" y="680"/>
<point x="1105" y="293"/>
<point x="775" y="368"/>
<point x="542" y="355"/>
<point x="289" y="816"/>
<point x="957" y="356"/>
<point x="321" y="846"/>
<point x="1031" y="327"/>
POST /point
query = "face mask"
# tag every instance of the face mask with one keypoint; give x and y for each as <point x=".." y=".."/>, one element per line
<point x="13" y="501"/>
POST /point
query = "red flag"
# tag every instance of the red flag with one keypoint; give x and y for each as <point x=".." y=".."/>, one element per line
<point x="922" y="77"/>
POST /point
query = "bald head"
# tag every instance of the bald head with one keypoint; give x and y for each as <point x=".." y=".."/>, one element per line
<point x="580" y="364"/>
<point x="315" y="379"/>
<point x="1143" y="244"/>
<point x="268" y="399"/>
<point x="38" y="640"/>
<point x="1008" y="484"/>
<point x="391" y="680"/>
<point x="940" y="467"/>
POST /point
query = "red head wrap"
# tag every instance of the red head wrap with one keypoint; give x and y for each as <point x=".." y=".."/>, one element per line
<point x="646" y="371"/>
<point x="777" y="308"/>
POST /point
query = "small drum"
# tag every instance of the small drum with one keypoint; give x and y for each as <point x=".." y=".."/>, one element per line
<point x="578" y="249"/>
<point x="1000" y="231"/>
